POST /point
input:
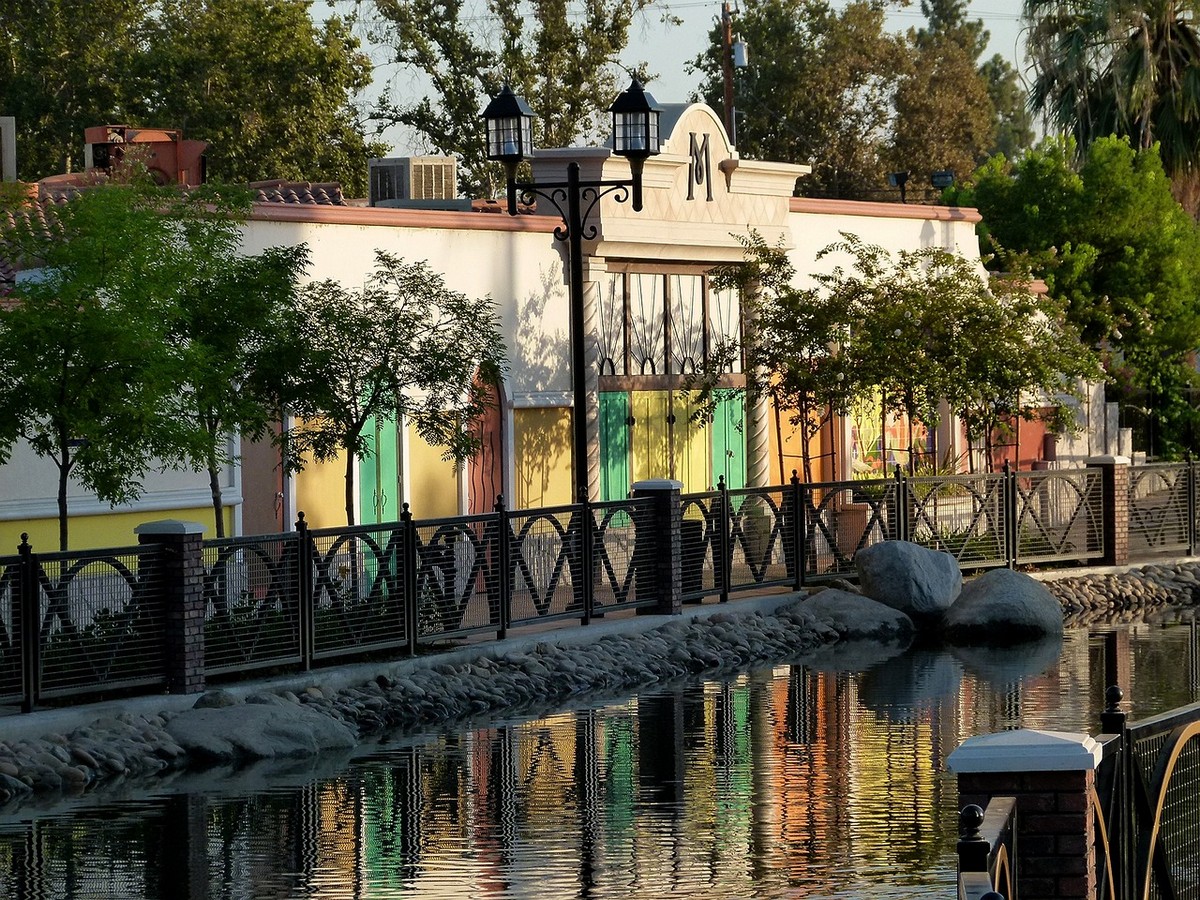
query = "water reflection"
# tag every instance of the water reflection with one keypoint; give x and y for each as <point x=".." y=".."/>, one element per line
<point x="788" y="781"/>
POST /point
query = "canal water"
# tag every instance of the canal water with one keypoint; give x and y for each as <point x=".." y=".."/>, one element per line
<point x="817" y="779"/>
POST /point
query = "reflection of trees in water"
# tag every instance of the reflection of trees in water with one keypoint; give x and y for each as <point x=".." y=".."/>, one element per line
<point x="784" y="779"/>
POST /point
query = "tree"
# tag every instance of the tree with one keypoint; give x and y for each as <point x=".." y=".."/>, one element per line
<point x="944" y="114"/>
<point x="793" y="355"/>
<point x="403" y="345"/>
<point x="930" y="328"/>
<point x="84" y="342"/>
<point x="819" y="90"/>
<point x="1124" y="67"/>
<point x="268" y="107"/>
<point x="62" y="69"/>
<point x="218" y="69"/>
<point x="559" y="61"/>
<point x="1013" y="127"/>
<point x="226" y="332"/>
<point x="1116" y="249"/>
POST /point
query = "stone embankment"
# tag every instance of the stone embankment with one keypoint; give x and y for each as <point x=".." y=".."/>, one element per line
<point x="222" y="728"/>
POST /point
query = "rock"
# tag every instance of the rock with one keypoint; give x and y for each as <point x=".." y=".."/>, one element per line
<point x="258" y="731"/>
<point x="1002" y="607"/>
<point x="920" y="583"/>
<point x="216" y="700"/>
<point x="855" y="617"/>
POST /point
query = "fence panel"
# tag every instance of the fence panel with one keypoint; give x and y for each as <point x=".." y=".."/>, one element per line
<point x="762" y="531"/>
<point x="357" y="594"/>
<point x="700" y="542"/>
<point x="546" y="564"/>
<point x="964" y="515"/>
<point x="458" y="576"/>
<point x="102" y="621"/>
<point x="1059" y="515"/>
<point x="843" y="517"/>
<point x="252" y="603"/>
<point x="624" y="547"/>
<point x="1158" y="508"/>
<point x="10" y="630"/>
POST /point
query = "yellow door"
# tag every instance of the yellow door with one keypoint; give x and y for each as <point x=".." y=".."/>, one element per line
<point x="650" y="436"/>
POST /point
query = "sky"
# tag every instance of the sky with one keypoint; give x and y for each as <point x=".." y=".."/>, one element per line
<point x="668" y="49"/>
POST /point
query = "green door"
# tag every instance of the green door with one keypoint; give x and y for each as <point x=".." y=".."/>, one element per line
<point x="729" y="438"/>
<point x="614" y="445"/>
<point x="379" y="475"/>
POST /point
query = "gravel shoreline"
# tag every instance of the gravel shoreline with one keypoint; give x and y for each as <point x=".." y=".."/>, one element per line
<point x="222" y="728"/>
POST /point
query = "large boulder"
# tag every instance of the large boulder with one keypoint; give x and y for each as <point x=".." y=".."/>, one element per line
<point x="920" y="583"/>
<point x="857" y="618"/>
<point x="1002" y="607"/>
<point x="258" y="731"/>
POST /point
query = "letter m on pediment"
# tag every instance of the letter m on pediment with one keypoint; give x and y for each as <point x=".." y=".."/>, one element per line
<point x="699" y="166"/>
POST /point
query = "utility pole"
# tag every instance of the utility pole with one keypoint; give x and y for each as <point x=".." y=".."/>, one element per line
<point x="727" y="70"/>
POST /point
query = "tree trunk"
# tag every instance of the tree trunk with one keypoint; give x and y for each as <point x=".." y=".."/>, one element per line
<point x="64" y="473"/>
<point x="214" y="485"/>
<point x="350" y="460"/>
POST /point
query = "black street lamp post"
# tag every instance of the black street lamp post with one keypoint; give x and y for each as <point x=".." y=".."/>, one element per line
<point x="635" y="136"/>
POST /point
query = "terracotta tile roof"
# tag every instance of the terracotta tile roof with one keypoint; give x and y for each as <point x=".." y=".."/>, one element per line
<point x="280" y="191"/>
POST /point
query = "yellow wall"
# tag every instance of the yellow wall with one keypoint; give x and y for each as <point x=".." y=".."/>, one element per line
<point x="321" y="493"/>
<point x="107" y="530"/>
<point x="433" y="482"/>
<point x="542" y="443"/>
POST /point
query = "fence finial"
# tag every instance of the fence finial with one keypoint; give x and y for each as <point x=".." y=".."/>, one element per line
<point x="795" y="477"/>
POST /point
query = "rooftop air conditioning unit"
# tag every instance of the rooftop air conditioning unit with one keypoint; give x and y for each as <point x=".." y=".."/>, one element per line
<point x="413" y="178"/>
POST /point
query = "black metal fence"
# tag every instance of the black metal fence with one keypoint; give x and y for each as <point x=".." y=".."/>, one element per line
<point x="294" y="600"/>
<point x="1148" y="794"/>
<point x="987" y="852"/>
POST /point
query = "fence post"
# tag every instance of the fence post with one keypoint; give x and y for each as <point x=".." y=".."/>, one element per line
<point x="305" y="591"/>
<point x="721" y="567"/>
<point x="1012" y="536"/>
<point x="587" y="557"/>
<point x="503" y="557"/>
<point x="30" y="626"/>
<point x="664" y="560"/>
<point x="408" y="579"/>
<point x="1053" y="777"/>
<point x="1114" y="507"/>
<point x="901" y="505"/>
<point x="1189" y="474"/>
<point x="180" y="579"/>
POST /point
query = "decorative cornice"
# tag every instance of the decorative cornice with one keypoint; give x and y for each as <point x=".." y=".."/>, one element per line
<point x="877" y="210"/>
<point x="400" y="218"/>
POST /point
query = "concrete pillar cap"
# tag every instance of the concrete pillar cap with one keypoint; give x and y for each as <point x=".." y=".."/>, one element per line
<point x="170" y="526"/>
<point x="658" y="484"/>
<point x="1026" y="750"/>
<point x="1108" y="461"/>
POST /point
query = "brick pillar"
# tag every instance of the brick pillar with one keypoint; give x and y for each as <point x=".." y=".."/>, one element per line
<point x="664" y="559"/>
<point x="180" y="577"/>
<point x="1115" y="479"/>
<point x="1053" y="776"/>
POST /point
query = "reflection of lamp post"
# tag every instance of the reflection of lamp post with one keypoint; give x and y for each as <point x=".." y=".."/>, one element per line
<point x="635" y="136"/>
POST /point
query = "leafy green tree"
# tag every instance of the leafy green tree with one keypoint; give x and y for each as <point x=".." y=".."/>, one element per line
<point x="1013" y="127"/>
<point x="226" y="332"/>
<point x="1114" y="247"/>
<point x="62" y="69"/>
<point x="794" y="354"/>
<point x="1124" y="67"/>
<point x="929" y="327"/>
<point x="91" y="371"/>
<point x="405" y="344"/>
<point x="270" y="90"/>
<point x="819" y="89"/>
<point x="559" y="61"/>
